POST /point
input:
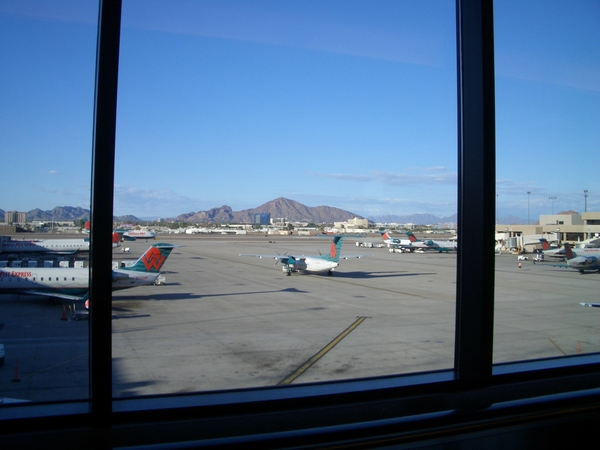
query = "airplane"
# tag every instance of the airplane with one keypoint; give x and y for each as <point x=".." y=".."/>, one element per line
<point x="311" y="264"/>
<point x="73" y="283"/>
<point x="580" y="259"/>
<point x="387" y="239"/>
<point x="58" y="246"/>
<point x="440" y="246"/>
<point x="552" y="252"/>
<point x="132" y="235"/>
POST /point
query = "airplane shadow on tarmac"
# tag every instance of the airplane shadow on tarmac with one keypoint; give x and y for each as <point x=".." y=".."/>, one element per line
<point x="390" y="274"/>
<point x="189" y="296"/>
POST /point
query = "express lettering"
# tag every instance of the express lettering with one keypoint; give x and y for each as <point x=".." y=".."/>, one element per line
<point x="16" y="274"/>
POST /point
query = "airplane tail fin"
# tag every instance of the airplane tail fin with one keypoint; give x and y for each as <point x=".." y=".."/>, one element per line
<point x="153" y="259"/>
<point x="545" y="244"/>
<point x="335" y="249"/>
<point x="568" y="250"/>
<point x="385" y="235"/>
<point x="411" y="237"/>
<point x="116" y="238"/>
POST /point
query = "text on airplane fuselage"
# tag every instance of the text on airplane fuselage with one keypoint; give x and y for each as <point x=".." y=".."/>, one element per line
<point x="16" y="274"/>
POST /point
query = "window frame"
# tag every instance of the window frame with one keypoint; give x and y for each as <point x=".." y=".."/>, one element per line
<point x="473" y="392"/>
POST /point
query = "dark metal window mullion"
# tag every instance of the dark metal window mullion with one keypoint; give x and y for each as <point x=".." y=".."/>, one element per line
<point x="476" y="191"/>
<point x="103" y="162"/>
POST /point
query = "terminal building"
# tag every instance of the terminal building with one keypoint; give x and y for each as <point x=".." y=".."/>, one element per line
<point x="571" y="228"/>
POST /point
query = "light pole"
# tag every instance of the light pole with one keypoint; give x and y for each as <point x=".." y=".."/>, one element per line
<point x="528" y="194"/>
<point x="585" y="192"/>
<point x="496" y="209"/>
<point x="552" y="200"/>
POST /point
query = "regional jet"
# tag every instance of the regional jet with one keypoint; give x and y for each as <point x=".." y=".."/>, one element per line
<point x="582" y="259"/>
<point x="56" y="246"/>
<point x="415" y="244"/>
<point x="132" y="235"/>
<point x="59" y="246"/>
<point x="73" y="283"/>
<point x="310" y="264"/>
<point x="394" y="242"/>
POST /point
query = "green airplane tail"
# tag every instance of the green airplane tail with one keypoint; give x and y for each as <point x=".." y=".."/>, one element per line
<point x="335" y="249"/>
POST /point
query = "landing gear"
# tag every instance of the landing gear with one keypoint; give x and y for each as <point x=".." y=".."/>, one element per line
<point x="329" y="273"/>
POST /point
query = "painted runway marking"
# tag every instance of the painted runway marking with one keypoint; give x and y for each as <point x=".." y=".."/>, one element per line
<point x="304" y="367"/>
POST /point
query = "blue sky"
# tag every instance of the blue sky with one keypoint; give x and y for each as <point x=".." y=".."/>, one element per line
<point x="335" y="103"/>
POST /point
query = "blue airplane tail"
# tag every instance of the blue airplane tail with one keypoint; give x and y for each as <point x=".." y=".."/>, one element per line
<point x="153" y="259"/>
<point x="411" y="237"/>
<point x="568" y="250"/>
<point x="335" y="249"/>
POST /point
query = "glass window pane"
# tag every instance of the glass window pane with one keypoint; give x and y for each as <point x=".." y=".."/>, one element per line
<point x="47" y="55"/>
<point x="318" y="115"/>
<point x="548" y="117"/>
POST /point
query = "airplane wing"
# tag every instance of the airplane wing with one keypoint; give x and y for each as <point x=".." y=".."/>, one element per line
<point x="59" y="295"/>
<point x="593" y="305"/>
<point x="551" y="264"/>
<point x="279" y="257"/>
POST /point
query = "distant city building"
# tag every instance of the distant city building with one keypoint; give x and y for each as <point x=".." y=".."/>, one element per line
<point x="262" y="218"/>
<point x="15" y="217"/>
<point x="353" y="224"/>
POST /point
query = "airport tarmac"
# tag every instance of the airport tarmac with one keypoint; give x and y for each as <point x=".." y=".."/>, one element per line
<point x="223" y="321"/>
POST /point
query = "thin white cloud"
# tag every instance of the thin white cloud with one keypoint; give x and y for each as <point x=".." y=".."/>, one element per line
<point x="149" y="202"/>
<point x="292" y="28"/>
<point x="437" y="175"/>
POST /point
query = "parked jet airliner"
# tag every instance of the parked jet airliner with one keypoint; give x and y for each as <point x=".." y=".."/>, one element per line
<point x="73" y="283"/>
<point x="412" y="243"/>
<point x="62" y="246"/>
<point x="395" y="242"/>
<point x="582" y="259"/>
<point x="311" y="264"/>
<point x="132" y="235"/>
<point x="58" y="246"/>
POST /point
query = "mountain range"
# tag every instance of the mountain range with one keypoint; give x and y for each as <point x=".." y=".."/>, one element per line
<point x="286" y="209"/>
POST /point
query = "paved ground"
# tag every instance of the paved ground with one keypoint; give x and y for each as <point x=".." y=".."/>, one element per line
<point x="223" y="321"/>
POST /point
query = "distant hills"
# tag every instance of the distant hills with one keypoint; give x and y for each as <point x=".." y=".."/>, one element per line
<point x="65" y="213"/>
<point x="289" y="210"/>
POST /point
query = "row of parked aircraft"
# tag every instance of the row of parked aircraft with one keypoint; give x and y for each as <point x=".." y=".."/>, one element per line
<point x="412" y="243"/>
<point x="73" y="283"/>
<point x="580" y="259"/>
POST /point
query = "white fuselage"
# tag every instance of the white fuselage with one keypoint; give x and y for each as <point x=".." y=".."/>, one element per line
<point x="313" y="265"/>
<point x="46" y="246"/>
<point x="138" y="234"/>
<point x="71" y="280"/>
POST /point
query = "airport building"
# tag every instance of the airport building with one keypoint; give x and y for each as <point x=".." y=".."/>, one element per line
<point x="353" y="224"/>
<point x="11" y="217"/>
<point x="572" y="228"/>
